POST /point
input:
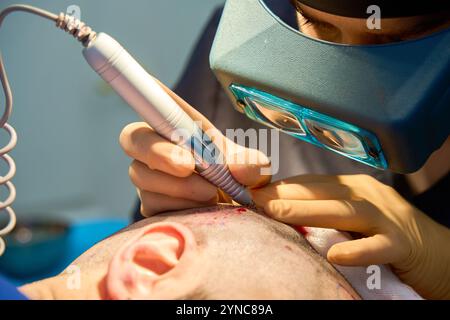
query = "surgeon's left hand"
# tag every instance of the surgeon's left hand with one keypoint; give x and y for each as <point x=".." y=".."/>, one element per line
<point x="393" y="231"/>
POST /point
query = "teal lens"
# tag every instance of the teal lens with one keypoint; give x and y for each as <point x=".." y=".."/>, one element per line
<point x="275" y="117"/>
<point x="311" y="126"/>
<point x="336" y="139"/>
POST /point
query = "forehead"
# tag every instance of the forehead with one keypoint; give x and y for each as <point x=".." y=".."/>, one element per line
<point x="390" y="25"/>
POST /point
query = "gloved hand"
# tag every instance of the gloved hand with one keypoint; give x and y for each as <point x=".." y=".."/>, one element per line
<point x="164" y="173"/>
<point x="394" y="232"/>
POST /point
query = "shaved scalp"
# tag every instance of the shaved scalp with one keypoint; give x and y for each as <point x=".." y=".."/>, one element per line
<point x="248" y="254"/>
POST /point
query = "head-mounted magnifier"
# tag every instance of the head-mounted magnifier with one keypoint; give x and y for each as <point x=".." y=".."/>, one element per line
<point x="387" y="106"/>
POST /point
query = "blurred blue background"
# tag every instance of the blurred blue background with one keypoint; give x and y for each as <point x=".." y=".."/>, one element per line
<point x="69" y="162"/>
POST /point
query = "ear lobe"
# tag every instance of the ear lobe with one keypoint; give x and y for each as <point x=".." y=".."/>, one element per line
<point x="160" y="252"/>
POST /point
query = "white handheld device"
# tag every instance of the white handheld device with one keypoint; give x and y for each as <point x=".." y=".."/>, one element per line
<point x="143" y="93"/>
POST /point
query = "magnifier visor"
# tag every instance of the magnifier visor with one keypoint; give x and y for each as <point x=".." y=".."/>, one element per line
<point x="310" y="126"/>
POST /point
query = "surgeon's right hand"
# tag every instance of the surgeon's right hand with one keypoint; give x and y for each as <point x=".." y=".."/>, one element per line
<point x="164" y="183"/>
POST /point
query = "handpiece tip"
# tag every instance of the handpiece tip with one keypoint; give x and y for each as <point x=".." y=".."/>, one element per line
<point x="245" y="198"/>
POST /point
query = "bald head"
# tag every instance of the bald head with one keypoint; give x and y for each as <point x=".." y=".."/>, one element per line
<point x="221" y="252"/>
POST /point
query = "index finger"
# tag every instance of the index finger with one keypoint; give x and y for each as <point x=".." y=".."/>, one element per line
<point x="347" y="215"/>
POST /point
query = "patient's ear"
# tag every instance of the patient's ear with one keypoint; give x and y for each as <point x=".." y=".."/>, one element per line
<point x="159" y="263"/>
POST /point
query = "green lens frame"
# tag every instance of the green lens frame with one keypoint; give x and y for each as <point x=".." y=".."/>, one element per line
<point x="374" y="154"/>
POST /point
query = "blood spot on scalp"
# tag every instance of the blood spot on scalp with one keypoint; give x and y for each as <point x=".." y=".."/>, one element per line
<point x="241" y="210"/>
<point x="301" y="230"/>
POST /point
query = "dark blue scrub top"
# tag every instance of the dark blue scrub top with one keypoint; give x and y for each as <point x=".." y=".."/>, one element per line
<point x="9" y="291"/>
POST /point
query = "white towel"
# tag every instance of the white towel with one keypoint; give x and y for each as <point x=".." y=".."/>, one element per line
<point x="391" y="288"/>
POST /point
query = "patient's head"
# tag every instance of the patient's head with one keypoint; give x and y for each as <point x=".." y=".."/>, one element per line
<point x="214" y="253"/>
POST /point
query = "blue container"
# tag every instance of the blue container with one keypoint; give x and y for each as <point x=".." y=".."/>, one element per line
<point x="34" y="247"/>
